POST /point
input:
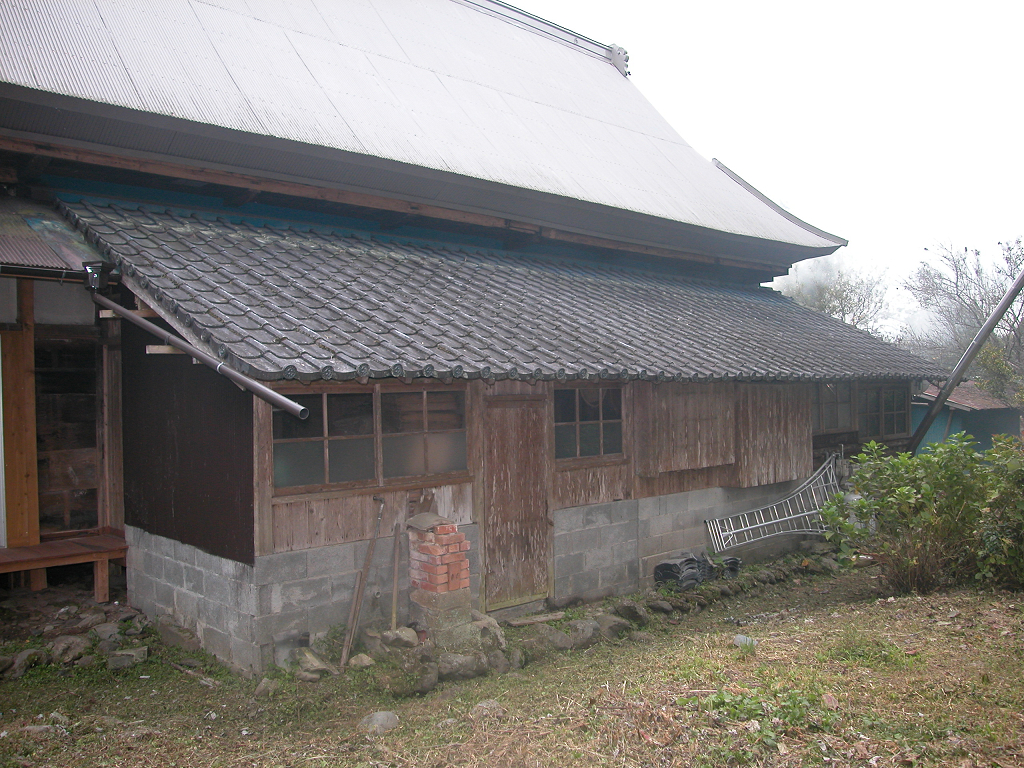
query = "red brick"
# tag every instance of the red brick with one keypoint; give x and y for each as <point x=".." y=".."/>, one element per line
<point x="435" y="569"/>
<point x="446" y="529"/>
<point x="450" y="538"/>
<point x="464" y="584"/>
<point x="437" y="578"/>
<point x="464" y="546"/>
<point x="428" y="587"/>
<point x="431" y="549"/>
<point x="453" y="557"/>
<point x="419" y="557"/>
<point x="422" y="536"/>
<point x="455" y="567"/>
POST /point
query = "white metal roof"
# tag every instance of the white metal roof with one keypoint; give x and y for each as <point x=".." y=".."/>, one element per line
<point x="471" y="87"/>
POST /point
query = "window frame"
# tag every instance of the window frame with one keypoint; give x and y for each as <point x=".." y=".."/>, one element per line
<point x="818" y="409"/>
<point x="601" y="459"/>
<point x="882" y="412"/>
<point x="379" y="480"/>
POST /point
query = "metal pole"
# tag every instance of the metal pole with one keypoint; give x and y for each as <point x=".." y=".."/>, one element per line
<point x="264" y="393"/>
<point x="961" y="368"/>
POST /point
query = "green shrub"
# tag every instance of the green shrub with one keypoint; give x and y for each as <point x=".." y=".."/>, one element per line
<point x="921" y="512"/>
<point x="1000" y="530"/>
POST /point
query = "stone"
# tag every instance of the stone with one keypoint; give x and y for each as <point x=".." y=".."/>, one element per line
<point x="139" y="653"/>
<point x="91" y="618"/>
<point x="426" y="681"/>
<point x="60" y="719"/>
<point x="68" y="648"/>
<point x="267" y="687"/>
<point x="515" y="658"/>
<point x="173" y="634"/>
<point x="378" y="723"/>
<point x="489" y="708"/>
<point x="37" y="730"/>
<point x="812" y="566"/>
<point x="457" y="666"/>
<point x="403" y="637"/>
<point x="641" y="637"/>
<point x="542" y="640"/>
<point x="25" y="661"/>
<point x="498" y="663"/>
<point x="308" y="661"/>
<point x="612" y="627"/>
<point x="660" y="606"/>
<point x="307" y="677"/>
<point x="744" y="643"/>
<point x="5" y="663"/>
<point x="583" y="633"/>
<point x="492" y="636"/>
<point x="119" y="662"/>
<point x="107" y="647"/>
<point x="361" y="661"/>
<point x="371" y="641"/>
<point x="818" y="547"/>
<point x="829" y="564"/>
<point x="725" y="589"/>
<point x="88" y="660"/>
<point x="107" y="631"/>
<point x="66" y="612"/>
<point x="765" y="577"/>
<point x="632" y="611"/>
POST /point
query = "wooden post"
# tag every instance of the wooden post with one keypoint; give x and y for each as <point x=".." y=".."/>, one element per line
<point x="111" y="488"/>
<point x="19" y="413"/>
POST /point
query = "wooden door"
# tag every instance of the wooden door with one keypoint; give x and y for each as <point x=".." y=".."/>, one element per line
<point x="516" y="548"/>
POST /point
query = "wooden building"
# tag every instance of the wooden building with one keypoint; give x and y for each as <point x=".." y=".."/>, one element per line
<point x="488" y="269"/>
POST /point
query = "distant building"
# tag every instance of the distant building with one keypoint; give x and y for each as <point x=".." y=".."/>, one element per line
<point x="969" y="409"/>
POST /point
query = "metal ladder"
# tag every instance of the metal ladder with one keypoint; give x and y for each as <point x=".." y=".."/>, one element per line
<point x="797" y="513"/>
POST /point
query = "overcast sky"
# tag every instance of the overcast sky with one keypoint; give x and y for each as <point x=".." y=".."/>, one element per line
<point x="896" y="125"/>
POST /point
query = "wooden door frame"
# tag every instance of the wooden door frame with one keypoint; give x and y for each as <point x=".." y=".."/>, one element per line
<point x="541" y="402"/>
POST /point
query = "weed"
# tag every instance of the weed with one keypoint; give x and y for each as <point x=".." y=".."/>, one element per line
<point x="858" y="647"/>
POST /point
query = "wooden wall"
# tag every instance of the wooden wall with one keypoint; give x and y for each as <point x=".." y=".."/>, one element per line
<point x="677" y="437"/>
<point x="189" y="459"/>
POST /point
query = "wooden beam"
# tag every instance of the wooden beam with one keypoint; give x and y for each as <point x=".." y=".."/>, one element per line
<point x="111" y="490"/>
<point x="256" y="184"/>
<point x="19" y="415"/>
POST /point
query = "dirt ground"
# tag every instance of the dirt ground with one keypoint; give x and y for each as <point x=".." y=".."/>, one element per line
<point x="843" y="674"/>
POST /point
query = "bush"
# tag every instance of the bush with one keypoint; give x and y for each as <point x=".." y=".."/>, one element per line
<point x="1000" y="529"/>
<point x="922" y="510"/>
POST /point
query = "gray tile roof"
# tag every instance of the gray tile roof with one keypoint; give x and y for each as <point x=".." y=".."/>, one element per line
<point x="279" y="301"/>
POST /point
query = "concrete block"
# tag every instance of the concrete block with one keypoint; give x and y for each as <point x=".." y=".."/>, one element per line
<point x="563" y="588"/>
<point x="584" y="582"/>
<point x="217" y="589"/>
<point x="616" y="575"/>
<point x="599" y="515"/>
<point x="324" y="561"/>
<point x="295" y="595"/>
<point x="277" y="623"/>
<point x="333" y="614"/>
<point x="239" y="625"/>
<point x="184" y="553"/>
<point x="141" y="587"/>
<point x="208" y="612"/>
<point x="656" y="526"/>
<point x="276" y="568"/>
<point x="567" y="565"/>
<point x="652" y="506"/>
<point x="596" y="559"/>
<point x="245" y="597"/>
<point x="163" y="596"/>
<point x="131" y="535"/>
<point x="153" y="565"/>
<point x="192" y="578"/>
<point x="173" y="574"/>
<point x="623" y="553"/>
<point x="568" y="520"/>
<point x="245" y="654"/>
<point x="585" y="540"/>
<point x="618" y="533"/>
<point x="342" y="586"/>
<point x="186" y="606"/>
<point x="215" y="641"/>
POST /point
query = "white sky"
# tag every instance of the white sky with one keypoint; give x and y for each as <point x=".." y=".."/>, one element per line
<point x="896" y="125"/>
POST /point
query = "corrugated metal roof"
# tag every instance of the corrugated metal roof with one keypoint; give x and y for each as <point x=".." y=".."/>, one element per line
<point x="469" y="88"/>
<point x="34" y="236"/>
<point x="277" y="300"/>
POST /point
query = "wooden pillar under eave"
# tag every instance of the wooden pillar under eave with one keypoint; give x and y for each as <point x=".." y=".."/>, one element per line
<point x="21" y="478"/>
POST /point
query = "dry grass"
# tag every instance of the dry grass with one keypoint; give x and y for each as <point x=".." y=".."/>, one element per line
<point x="840" y="678"/>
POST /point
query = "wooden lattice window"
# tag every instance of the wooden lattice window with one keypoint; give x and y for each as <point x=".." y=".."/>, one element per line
<point x="883" y="412"/>
<point x="588" y="422"/>
<point x="366" y="438"/>
<point x="833" y="408"/>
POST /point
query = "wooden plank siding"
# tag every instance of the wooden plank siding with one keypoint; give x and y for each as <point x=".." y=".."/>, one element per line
<point x="683" y="426"/>
<point x="774" y="428"/>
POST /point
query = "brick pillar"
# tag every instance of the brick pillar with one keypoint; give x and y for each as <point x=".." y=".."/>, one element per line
<point x="439" y="559"/>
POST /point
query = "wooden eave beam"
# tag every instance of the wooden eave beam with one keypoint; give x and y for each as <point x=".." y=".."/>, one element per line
<point x="257" y="184"/>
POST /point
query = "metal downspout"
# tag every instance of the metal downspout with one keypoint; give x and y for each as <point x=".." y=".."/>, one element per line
<point x="961" y="368"/>
<point x="263" y="392"/>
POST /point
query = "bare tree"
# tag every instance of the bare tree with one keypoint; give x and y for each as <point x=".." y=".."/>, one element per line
<point x="960" y="292"/>
<point x="853" y="297"/>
